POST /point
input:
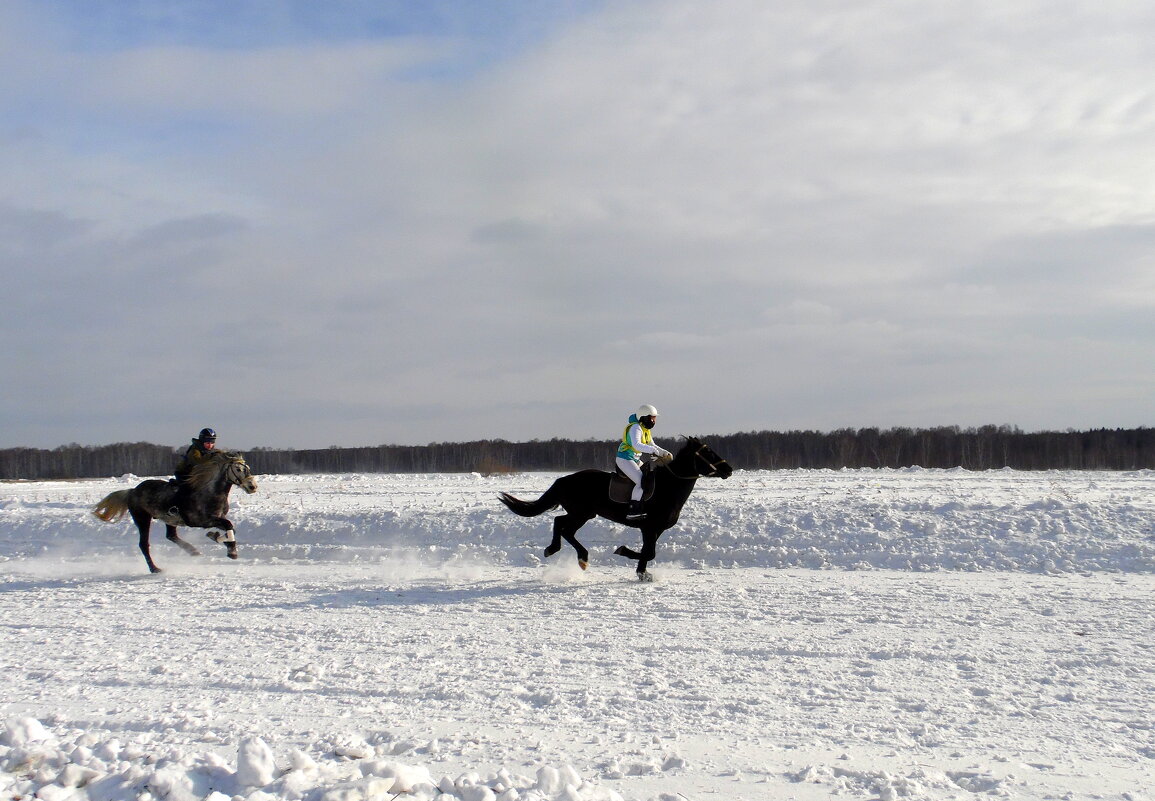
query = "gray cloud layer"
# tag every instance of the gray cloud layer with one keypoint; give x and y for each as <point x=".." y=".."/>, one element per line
<point x="751" y="215"/>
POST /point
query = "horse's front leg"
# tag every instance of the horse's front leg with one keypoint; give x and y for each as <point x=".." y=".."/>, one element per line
<point x="170" y="532"/>
<point x="629" y="553"/>
<point x="646" y="555"/>
<point x="222" y="530"/>
<point x="143" y="523"/>
<point x="649" y="551"/>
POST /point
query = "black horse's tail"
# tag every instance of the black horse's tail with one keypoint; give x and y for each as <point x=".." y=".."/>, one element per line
<point x="531" y="508"/>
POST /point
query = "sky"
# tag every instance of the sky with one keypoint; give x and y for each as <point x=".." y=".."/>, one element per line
<point x="369" y="222"/>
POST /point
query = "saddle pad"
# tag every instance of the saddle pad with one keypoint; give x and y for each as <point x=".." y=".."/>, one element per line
<point x="621" y="486"/>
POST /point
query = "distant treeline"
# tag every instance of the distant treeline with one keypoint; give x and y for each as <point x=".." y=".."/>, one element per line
<point x="984" y="448"/>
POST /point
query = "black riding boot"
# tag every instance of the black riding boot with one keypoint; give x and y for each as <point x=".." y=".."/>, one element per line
<point x="636" y="512"/>
<point x="177" y="499"/>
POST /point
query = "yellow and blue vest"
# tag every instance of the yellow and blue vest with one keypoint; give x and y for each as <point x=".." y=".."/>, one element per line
<point x="625" y="449"/>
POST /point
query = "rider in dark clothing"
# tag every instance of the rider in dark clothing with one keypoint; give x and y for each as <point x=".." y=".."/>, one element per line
<point x="197" y="452"/>
<point x="200" y="449"/>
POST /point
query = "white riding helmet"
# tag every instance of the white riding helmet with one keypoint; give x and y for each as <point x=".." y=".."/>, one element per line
<point x="646" y="410"/>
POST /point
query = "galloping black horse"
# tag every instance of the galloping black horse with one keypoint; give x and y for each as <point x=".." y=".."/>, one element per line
<point x="209" y="484"/>
<point x="586" y="494"/>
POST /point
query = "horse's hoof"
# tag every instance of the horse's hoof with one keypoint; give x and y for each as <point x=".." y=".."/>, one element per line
<point x="215" y="536"/>
<point x="155" y="570"/>
<point x="620" y="551"/>
<point x="645" y="578"/>
<point x="583" y="564"/>
<point x="232" y="554"/>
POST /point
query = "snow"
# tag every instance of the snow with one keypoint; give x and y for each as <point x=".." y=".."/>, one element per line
<point x="872" y="634"/>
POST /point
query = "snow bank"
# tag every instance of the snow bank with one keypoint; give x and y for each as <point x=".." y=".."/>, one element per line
<point x="920" y="520"/>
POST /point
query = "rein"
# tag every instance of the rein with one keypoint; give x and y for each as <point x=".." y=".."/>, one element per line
<point x="698" y="455"/>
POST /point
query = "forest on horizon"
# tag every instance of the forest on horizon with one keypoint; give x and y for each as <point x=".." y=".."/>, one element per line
<point x="982" y="448"/>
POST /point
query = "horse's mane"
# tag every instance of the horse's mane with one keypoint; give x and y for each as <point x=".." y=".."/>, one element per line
<point x="204" y="473"/>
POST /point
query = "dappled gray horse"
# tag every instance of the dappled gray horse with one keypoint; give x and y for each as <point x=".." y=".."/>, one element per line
<point x="205" y="506"/>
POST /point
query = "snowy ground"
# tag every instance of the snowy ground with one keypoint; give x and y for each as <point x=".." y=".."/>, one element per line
<point x="811" y="634"/>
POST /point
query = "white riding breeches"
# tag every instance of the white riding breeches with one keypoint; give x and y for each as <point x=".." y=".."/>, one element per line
<point x="634" y="471"/>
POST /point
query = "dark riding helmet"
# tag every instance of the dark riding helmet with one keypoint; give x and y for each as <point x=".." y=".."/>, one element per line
<point x="207" y="435"/>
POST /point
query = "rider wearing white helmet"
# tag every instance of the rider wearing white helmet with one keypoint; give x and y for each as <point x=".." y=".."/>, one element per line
<point x="637" y="445"/>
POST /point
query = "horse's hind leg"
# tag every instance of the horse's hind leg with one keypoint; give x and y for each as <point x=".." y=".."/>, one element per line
<point x="143" y="524"/>
<point x="566" y="526"/>
<point x="554" y="544"/>
<point x="569" y="532"/>
<point x="170" y="532"/>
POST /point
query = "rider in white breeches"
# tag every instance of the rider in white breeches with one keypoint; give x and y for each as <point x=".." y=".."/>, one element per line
<point x="638" y="444"/>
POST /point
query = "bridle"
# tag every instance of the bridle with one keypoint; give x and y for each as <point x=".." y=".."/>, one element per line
<point x="698" y="456"/>
<point x="237" y="472"/>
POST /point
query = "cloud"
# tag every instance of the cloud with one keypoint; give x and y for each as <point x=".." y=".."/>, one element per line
<point x="752" y="215"/>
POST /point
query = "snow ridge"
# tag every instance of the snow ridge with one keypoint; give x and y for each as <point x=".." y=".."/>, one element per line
<point x="919" y="520"/>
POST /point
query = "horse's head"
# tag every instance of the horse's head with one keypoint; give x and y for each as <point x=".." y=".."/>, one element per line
<point x="237" y="472"/>
<point x="702" y="459"/>
<point x="229" y="464"/>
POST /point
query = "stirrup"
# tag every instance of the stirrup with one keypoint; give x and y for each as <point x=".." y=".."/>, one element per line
<point x="636" y="511"/>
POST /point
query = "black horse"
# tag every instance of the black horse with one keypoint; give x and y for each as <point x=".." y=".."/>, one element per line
<point x="586" y="494"/>
<point x="207" y="503"/>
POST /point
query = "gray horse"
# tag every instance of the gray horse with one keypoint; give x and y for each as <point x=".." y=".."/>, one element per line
<point x="205" y="506"/>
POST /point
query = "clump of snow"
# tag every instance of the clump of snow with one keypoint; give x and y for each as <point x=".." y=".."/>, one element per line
<point x="256" y="766"/>
<point x="22" y="731"/>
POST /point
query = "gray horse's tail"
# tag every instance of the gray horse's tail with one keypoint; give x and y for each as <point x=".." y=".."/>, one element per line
<point x="113" y="506"/>
<point x="531" y="508"/>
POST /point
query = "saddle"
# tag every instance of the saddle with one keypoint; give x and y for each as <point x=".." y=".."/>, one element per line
<point x="621" y="485"/>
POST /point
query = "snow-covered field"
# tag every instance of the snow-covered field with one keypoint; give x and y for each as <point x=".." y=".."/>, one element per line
<point x="810" y="634"/>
